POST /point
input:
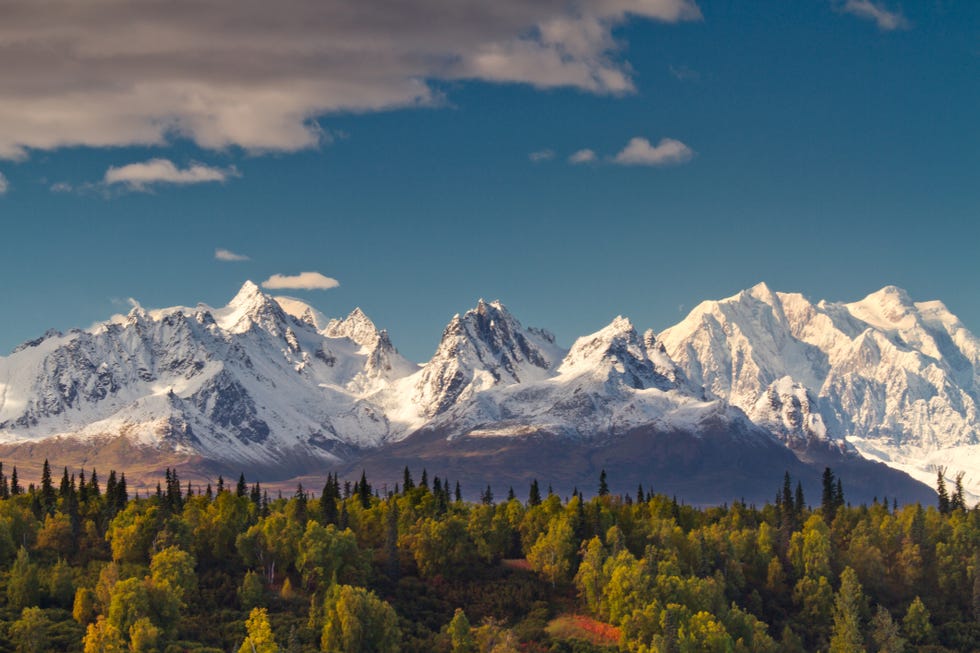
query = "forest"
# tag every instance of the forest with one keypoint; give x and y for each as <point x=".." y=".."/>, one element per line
<point x="87" y="565"/>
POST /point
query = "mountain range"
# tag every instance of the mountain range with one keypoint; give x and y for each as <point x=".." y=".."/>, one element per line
<point x="715" y="408"/>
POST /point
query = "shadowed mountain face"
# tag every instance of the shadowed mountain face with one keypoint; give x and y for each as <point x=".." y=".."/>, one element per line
<point x="271" y="387"/>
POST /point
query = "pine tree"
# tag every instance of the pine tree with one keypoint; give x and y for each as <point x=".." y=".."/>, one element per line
<point x="242" y="489"/>
<point x="47" y="497"/>
<point x="799" y="504"/>
<point x="221" y="484"/>
<point x="15" y="487"/>
<point x="941" y="490"/>
<point x="838" y="495"/>
<point x="364" y="491"/>
<point x="458" y="495"/>
<point x="640" y="497"/>
<point x="65" y="486"/>
<point x="407" y="483"/>
<point x="93" y="484"/>
<point x="828" y="503"/>
<point x="487" y="496"/>
<point x="328" y="501"/>
<point x="603" y="486"/>
<point x="958" y="501"/>
<point x="425" y="479"/>
<point x="534" y="496"/>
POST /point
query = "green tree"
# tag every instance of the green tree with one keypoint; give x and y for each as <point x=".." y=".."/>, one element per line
<point x="259" y="638"/>
<point x="29" y="634"/>
<point x="22" y="585"/>
<point x="357" y="621"/>
<point x="327" y="555"/>
<point x="84" y="609"/>
<point x="130" y="602"/>
<point x="848" y="608"/>
<point x="172" y="570"/>
<point x="916" y="623"/>
<point x="460" y="634"/>
<point x="252" y="592"/>
<point x="885" y="634"/>
<point x="552" y="553"/>
<point x="941" y="491"/>
<point x="61" y="587"/>
<point x="144" y="637"/>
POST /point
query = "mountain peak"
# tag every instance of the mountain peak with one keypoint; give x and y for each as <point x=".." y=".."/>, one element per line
<point x="762" y="292"/>
<point x="357" y="326"/>
<point x="247" y="295"/>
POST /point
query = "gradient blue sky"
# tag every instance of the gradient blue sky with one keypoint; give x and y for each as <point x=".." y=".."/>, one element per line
<point x="835" y="152"/>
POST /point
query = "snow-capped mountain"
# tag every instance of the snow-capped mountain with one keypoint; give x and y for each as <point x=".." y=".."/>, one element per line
<point x="248" y="383"/>
<point x="272" y="386"/>
<point x="894" y="378"/>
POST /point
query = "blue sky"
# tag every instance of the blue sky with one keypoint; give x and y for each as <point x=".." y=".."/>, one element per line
<point x="829" y="148"/>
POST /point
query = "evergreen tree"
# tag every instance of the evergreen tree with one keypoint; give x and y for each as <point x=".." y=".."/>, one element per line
<point x="364" y="491"/>
<point x="407" y="483"/>
<point x="221" y="484"/>
<point x="82" y="488"/>
<point x="799" y="505"/>
<point x="534" y="496"/>
<point x="241" y="489"/>
<point x="459" y="493"/>
<point x="65" y="486"/>
<point x="328" y="501"/>
<point x="425" y="479"/>
<point x="93" y="484"/>
<point x="47" y="497"/>
<point x="603" y="486"/>
<point x="838" y="495"/>
<point x="15" y="487"/>
<point x="786" y="500"/>
<point x="828" y="503"/>
<point x="941" y="490"/>
<point x="487" y="496"/>
<point x="958" y="501"/>
<point x="4" y="486"/>
<point x="640" y="496"/>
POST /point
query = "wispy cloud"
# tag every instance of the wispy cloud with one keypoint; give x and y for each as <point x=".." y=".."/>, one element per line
<point x="61" y="187"/>
<point x="142" y="176"/>
<point x="582" y="156"/>
<point x="541" y="155"/>
<point x="229" y="256"/>
<point x="4" y="184"/>
<point x="301" y="281"/>
<point x="684" y="73"/>
<point x="144" y="73"/>
<point x="639" y="152"/>
<point x="885" y="19"/>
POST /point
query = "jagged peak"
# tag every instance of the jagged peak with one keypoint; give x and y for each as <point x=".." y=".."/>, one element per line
<point x="762" y="292"/>
<point x="889" y="295"/>
<point x="357" y="326"/>
<point x="246" y="294"/>
<point x="616" y="336"/>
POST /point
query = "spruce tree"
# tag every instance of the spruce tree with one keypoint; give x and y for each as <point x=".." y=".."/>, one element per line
<point x="828" y="502"/>
<point x="48" y="496"/>
<point x="603" y="486"/>
<point x="364" y="491"/>
<point x="534" y="496"/>
<point x="943" y="495"/>
<point x="799" y="504"/>
<point x="459" y="493"/>
<point x="958" y="500"/>
<point x="242" y="489"/>
<point x="407" y="483"/>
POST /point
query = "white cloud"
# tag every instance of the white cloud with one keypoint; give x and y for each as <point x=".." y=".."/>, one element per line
<point x="61" y="187"/>
<point x="301" y="281"/>
<point x="258" y="74"/>
<point x="885" y="19"/>
<point x="230" y="256"/>
<point x="639" y="152"/>
<point x="4" y="184"/>
<point x="582" y="156"/>
<point x="140" y="176"/>
<point x="541" y="155"/>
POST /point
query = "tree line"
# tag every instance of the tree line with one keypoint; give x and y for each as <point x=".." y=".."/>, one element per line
<point x="353" y="568"/>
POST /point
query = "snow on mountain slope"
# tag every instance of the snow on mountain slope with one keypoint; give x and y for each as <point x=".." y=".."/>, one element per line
<point x="484" y="347"/>
<point x="897" y="379"/>
<point x="246" y="382"/>
<point x="605" y="385"/>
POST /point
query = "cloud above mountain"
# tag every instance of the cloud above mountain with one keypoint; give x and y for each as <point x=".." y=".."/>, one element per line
<point x="257" y="75"/>
<point x="639" y="152"/>
<point x="301" y="281"/>
<point x="885" y="19"/>
<point x="142" y="176"/>
<point x="229" y="256"/>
